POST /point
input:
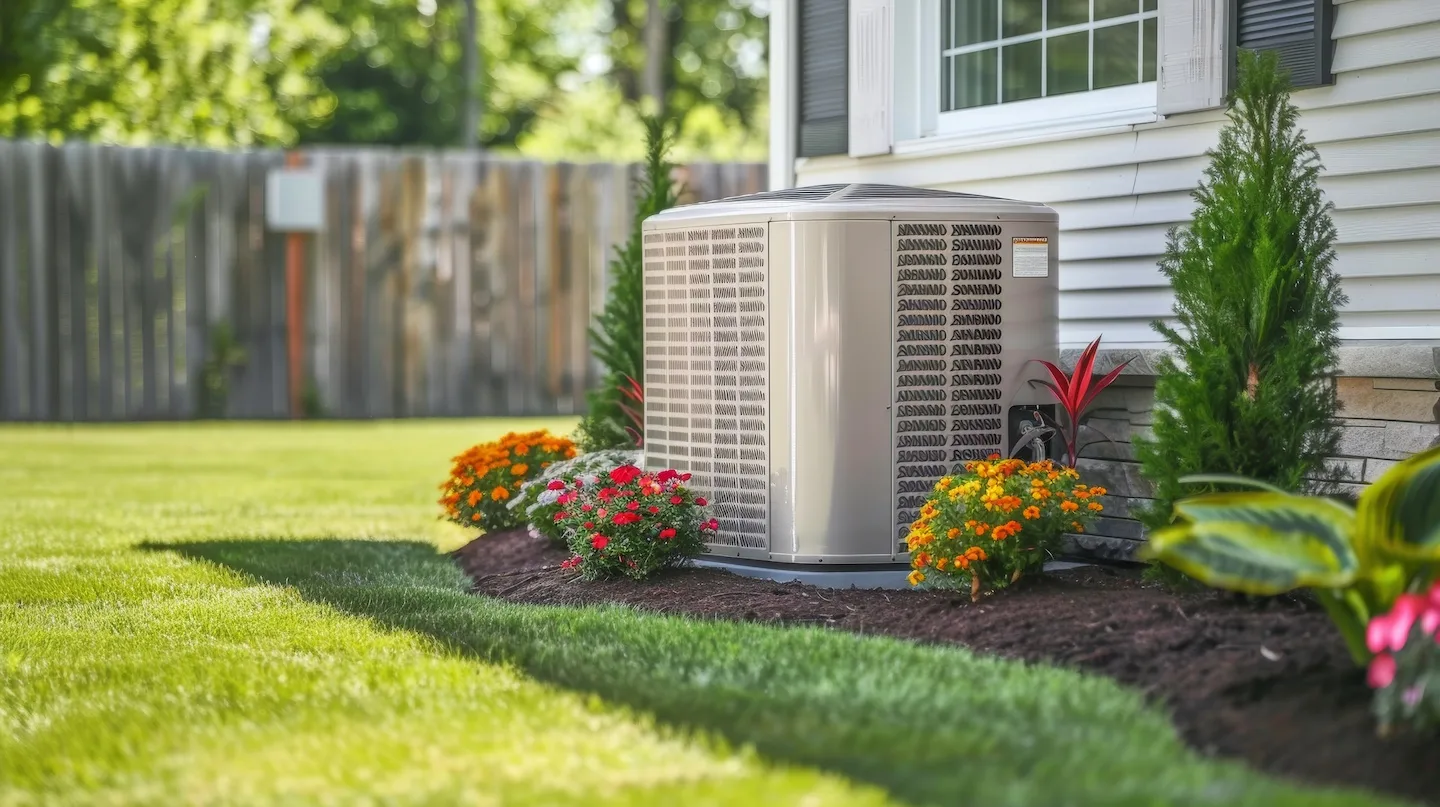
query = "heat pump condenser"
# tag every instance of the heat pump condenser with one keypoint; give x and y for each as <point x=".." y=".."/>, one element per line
<point x="817" y="358"/>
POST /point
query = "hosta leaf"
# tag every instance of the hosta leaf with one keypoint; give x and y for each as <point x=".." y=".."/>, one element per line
<point x="1252" y="559"/>
<point x="1400" y="513"/>
<point x="1329" y="522"/>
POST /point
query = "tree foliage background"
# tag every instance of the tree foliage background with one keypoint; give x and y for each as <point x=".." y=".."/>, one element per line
<point x="559" y="78"/>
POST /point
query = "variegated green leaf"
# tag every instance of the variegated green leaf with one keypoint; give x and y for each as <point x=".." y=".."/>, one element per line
<point x="1400" y="513"/>
<point x="1328" y="521"/>
<point x="1252" y="558"/>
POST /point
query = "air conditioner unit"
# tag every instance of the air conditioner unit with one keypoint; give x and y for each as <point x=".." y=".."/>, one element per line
<point x="817" y="358"/>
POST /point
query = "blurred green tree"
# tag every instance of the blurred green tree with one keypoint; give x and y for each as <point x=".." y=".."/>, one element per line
<point x="217" y="73"/>
<point x="558" y="78"/>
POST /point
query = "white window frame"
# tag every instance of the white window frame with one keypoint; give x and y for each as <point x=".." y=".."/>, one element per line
<point x="921" y="126"/>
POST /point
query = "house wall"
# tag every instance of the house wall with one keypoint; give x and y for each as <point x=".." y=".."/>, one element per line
<point x="1118" y="191"/>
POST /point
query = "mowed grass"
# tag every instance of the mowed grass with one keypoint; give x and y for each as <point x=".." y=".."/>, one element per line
<point x="256" y="614"/>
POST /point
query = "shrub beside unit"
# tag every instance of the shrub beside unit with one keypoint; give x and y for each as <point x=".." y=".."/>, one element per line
<point x="819" y="357"/>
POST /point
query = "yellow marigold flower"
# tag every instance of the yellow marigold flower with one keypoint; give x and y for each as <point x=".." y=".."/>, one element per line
<point x="1032" y="512"/>
<point x="499" y="494"/>
<point x="944" y="483"/>
<point x="1069" y="506"/>
<point x="916" y="577"/>
<point x="929" y="511"/>
<point x="1096" y="507"/>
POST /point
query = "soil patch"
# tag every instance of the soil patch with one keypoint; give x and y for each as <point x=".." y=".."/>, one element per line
<point x="1268" y="682"/>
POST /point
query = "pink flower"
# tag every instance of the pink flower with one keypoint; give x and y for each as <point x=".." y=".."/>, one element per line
<point x="606" y="494"/>
<point x="1430" y="621"/>
<point x="1435" y="594"/>
<point x="632" y="506"/>
<point x="625" y="517"/>
<point x="684" y="477"/>
<point x="654" y="509"/>
<point x="587" y="507"/>
<point x="712" y="525"/>
<point x="1389" y="631"/>
<point x="561" y="516"/>
<point x="676" y="500"/>
<point x="700" y="501"/>
<point x="1381" y="672"/>
<point x="556" y="484"/>
<point x="666" y="534"/>
<point x="599" y="542"/>
<point x="666" y="476"/>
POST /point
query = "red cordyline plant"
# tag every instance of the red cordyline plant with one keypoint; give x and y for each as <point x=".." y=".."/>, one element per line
<point x="1074" y="394"/>
<point x="633" y="405"/>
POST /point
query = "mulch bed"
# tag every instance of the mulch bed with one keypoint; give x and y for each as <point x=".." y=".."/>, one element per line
<point x="1268" y="682"/>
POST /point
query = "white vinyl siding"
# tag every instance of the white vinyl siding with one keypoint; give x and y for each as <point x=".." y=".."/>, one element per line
<point x="1119" y="189"/>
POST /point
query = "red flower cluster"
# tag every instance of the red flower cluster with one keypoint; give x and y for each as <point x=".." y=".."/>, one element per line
<point x="631" y="522"/>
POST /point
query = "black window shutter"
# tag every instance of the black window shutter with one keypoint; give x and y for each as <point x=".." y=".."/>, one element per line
<point x="824" y="78"/>
<point x="1298" y="30"/>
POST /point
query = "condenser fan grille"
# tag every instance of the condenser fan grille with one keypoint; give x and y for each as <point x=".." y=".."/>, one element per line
<point x="947" y="372"/>
<point x="707" y="371"/>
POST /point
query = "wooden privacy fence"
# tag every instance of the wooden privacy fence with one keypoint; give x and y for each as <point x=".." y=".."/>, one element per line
<point x="143" y="283"/>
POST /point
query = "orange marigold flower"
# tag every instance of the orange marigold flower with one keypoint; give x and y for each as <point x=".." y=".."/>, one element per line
<point x="1096" y="506"/>
<point x="1077" y="526"/>
<point x="1069" y="506"/>
<point x="519" y="469"/>
<point x="981" y="529"/>
<point x="570" y="453"/>
<point x="474" y="516"/>
<point x="1000" y="534"/>
<point x="942" y="564"/>
<point x="962" y="562"/>
<point x="1032" y="512"/>
<point x="952" y="533"/>
<point x="921" y="560"/>
<point x="499" y="494"/>
<point x="474" y="498"/>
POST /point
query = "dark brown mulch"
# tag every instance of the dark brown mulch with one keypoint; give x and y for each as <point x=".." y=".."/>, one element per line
<point x="1266" y="682"/>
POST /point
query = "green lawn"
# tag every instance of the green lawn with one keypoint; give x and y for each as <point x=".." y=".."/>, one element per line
<point x="258" y="614"/>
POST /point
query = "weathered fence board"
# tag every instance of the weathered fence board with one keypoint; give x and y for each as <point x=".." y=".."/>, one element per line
<point x="442" y="284"/>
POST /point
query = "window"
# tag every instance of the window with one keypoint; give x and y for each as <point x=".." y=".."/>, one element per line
<point x="1003" y="51"/>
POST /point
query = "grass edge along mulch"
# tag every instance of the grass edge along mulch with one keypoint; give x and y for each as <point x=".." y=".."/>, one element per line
<point x="931" y="725"/>
<point x="1267" y="683"/>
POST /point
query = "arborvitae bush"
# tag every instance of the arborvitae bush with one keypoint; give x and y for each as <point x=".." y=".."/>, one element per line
<point x="1247" y="388"/>
<point x="617" y="338"/>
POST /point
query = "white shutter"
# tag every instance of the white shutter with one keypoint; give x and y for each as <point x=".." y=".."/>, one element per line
<point x="872" y="66"/>
<point x="1192" y="55"/>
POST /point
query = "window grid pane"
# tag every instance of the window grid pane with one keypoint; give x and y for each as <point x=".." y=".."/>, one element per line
<point x="1002" y="51"/>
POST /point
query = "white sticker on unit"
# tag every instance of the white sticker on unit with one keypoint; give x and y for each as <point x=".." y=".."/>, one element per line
<point x="1030" y="257"/>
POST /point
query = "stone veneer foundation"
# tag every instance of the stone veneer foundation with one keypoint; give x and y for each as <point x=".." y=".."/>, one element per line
<point x="1390" y="398"/>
